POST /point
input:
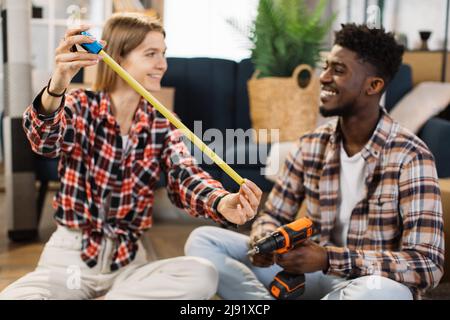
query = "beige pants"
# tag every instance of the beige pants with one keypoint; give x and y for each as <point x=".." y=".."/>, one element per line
<point x="62" y="274"/>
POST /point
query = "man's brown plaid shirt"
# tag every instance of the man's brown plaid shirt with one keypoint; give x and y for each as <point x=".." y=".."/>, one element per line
<point x="396" y="231"/>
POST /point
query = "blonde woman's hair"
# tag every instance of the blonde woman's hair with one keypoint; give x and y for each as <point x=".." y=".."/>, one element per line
<point x="123" y="33"/>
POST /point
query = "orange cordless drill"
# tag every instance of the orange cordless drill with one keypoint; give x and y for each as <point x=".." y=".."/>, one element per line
<point x="285" y="285"/>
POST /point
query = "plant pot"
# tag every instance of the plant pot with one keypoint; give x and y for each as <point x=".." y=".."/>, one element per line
<point x="284" y="104"/>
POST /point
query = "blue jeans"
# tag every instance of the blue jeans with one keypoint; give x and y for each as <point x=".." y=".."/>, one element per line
<point x="239" y="279"/>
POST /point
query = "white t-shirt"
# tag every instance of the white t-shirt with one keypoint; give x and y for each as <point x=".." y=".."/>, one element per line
<point x="352" y="190"/>
<point x="125" y="142"/>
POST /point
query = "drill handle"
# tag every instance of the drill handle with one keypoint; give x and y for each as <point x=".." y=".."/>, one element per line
<point x="295" y="233"/>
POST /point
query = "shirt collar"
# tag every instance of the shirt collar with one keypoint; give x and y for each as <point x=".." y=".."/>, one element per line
<point x="380" y="136"/>
<point x="373" y="147"/>
<point x="141" y="119"/>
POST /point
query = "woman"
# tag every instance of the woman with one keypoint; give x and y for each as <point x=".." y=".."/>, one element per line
<point x="113" y="145"/>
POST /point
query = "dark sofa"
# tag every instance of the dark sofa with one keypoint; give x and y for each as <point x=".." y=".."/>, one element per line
<point x="436" y="130"/>
<point x="214" y="91"/>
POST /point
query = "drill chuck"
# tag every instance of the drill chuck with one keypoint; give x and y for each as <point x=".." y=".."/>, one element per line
<point x="268" y="244"/>
<point x="285" y="285"/>
<point x="271" y="243"/>
<point x="284" y="238"/>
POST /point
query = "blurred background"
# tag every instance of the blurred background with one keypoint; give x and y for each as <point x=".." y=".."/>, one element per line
<point x="212" y="78"/>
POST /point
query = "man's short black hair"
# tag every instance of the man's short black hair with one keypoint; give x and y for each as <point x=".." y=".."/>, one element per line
<point x="374" y="46"/>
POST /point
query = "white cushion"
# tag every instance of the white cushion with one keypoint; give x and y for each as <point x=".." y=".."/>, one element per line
<point x="426" y="100"/>
<point x="277" y="157"/>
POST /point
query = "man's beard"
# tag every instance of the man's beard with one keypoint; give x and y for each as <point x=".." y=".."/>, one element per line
<point x="339" y="111"/>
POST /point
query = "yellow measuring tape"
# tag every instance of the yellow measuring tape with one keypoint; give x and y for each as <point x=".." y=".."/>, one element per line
<point x="169" y="115"/>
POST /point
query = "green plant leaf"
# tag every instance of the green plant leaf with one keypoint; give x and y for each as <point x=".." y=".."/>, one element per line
<point x="285" y="34"/>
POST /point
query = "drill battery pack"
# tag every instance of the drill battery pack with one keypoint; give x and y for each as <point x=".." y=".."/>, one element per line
<point x="287" y="286"/>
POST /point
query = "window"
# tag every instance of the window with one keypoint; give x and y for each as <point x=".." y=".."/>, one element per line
<point x="199" y="28"/>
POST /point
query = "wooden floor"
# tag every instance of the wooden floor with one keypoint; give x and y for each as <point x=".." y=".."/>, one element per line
<point x="165" y="239"/>
<point x="17" y="261"/>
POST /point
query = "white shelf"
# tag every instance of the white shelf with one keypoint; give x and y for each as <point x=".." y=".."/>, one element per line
<point x="47" y="31"/>
<point x="39" y="22"/>
<point x="61" y="22"/>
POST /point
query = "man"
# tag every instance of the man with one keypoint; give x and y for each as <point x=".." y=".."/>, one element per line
<point x="370" y="188"/>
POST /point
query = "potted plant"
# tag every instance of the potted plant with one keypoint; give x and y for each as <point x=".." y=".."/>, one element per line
<point x="284" y="91"/>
